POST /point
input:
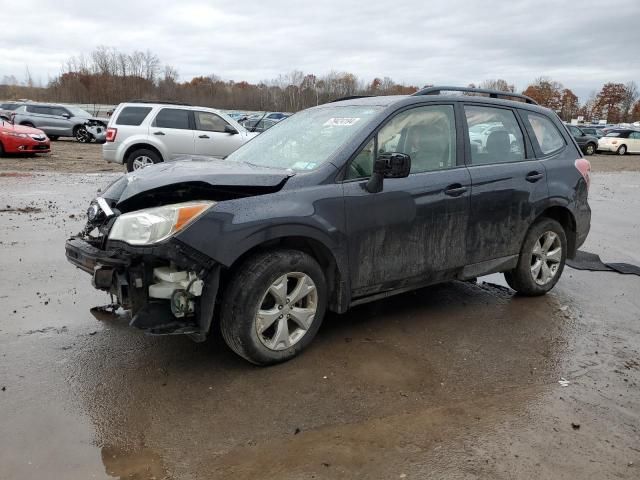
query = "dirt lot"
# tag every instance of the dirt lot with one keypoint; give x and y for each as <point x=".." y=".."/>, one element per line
<point x="69" y="156"/>
<point x="460" y="380"/>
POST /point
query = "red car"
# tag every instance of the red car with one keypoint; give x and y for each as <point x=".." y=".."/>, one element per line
<point x="21" y="139"/>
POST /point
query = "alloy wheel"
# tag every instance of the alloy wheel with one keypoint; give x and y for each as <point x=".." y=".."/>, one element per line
<point x="82" y="135"/>
<point x="141" y="162"/>
<point x="286" y="311"/>
<point x="546" y="258"/>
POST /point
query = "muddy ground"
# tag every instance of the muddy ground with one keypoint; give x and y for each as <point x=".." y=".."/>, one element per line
<point x="69" y="156"/>
<point x="454" y="381"/>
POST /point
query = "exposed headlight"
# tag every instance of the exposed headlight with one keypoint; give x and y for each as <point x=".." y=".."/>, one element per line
<point x="152" y="225"/>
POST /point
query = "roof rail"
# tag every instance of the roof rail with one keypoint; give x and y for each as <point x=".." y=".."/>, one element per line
<point x="350" y="97"/>
<point x="485" y="91"/>
<point x="162" y="102"/>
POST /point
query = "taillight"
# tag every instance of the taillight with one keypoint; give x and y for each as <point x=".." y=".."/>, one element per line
<point x="111" y="134"/>
<point x="584" y="167"/>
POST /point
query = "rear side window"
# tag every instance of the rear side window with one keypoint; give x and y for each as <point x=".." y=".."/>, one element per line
<point x="133" y="116"/>
<point x="547" y="135"/>
<point x="494" y="135"/>
<point x="38" y="109"/>
<point x="172" y="118"/>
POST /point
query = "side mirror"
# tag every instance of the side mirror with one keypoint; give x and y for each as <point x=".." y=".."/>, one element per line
<point x="230" y="129"/>
<point x="388" y="165"/>
<point x="66" y="115"/>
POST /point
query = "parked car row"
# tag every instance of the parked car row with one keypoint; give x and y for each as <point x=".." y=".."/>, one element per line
<point x="57" y="120"/>
<point x="612" y="139"/>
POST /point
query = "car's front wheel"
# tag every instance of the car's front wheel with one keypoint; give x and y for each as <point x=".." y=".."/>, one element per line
<point x="142" y="158"/>
<point x="82" y="135"/>
<point x="273" y="306"/>
<point x="542" y="259"/>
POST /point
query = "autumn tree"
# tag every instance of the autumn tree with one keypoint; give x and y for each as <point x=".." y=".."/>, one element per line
<point x="628" y="101"/>
<point x="634" y="116"/>
<point x="546" y="92"/>
<point x="569" y="105"/>
<point x="609" y="102"/>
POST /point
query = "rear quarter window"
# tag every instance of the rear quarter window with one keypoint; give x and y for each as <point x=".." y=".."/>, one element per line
<point x="132" y="116"/>
<point x="547" y="136"/>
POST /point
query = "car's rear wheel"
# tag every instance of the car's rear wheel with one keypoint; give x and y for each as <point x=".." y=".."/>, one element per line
<point x="53" y="138"/>
<point x="622" y="150"/>
<point x="542" y="259"/>
<point x="81" y="135"/>
<point x="590" y="149"/>
<point x="273" y="306"/>
<point x="142" y="158"/>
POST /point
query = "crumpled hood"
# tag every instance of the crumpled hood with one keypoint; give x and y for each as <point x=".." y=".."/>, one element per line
<point x="212" y="172"/>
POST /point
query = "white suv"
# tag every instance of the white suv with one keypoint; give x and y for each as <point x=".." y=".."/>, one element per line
<point x="141" y="134"/>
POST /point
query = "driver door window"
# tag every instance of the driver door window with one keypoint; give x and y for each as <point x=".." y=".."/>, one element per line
<point x="209" y="122"/>
<point x="426" y="134"/>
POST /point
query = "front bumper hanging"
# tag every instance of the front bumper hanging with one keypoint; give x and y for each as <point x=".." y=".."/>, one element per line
<point x="167" y="290"/>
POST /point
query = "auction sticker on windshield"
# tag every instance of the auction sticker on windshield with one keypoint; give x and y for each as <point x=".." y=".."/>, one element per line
<point x="341" y="121"/>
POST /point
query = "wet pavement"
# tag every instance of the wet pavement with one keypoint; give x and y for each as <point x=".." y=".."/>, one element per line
<point x="459" y="380"/>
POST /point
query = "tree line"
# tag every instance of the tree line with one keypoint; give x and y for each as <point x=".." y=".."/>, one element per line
<point x="108" y="76"/>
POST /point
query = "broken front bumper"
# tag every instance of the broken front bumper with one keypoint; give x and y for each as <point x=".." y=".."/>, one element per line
<point x="169" y="288"/>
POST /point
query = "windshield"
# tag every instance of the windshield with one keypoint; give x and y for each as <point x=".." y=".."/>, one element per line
<point x="78" y="112"/>
<point x="307" y="139"/>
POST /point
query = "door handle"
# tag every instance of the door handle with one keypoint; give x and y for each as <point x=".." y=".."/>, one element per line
<point x="455" y="190"/>
<point x="158" y="133"/>
<point x="534" y="176"/>
<point x="203" y="136"/>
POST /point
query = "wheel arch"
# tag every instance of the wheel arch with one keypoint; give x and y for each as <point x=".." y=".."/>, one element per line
<point x="335" y="276"/>
<point x="564" y="217"/>
<point x="138" y="146"/>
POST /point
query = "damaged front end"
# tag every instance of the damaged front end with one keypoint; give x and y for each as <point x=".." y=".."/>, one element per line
<point x="131" y="247"/>
<point x="168" y="287"/>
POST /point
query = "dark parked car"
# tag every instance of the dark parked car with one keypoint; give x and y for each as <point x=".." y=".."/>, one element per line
<point x="595" y="131"/>
<point x="587" y="143"/>
<point x="341" y="204"/>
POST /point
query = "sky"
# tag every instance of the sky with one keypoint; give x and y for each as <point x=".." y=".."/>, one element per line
<point x="455" y="42"/>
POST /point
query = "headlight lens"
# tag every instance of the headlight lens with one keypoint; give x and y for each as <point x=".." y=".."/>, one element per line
<point x="152" y="225"/>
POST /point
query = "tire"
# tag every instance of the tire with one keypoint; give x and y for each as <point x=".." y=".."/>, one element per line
<point x="1" y="150"/>
<point x="81" y="135"/>
<point x="53" y="138"/>
<point x="250" y="291"/>
<point x="524" y="279"/>
<point x="142" y="158"/>
<point x="622" y="150"/>
<point x="590" y="149"/>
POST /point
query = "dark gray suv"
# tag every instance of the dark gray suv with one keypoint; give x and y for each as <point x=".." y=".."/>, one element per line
<point x="341" y="204"/>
